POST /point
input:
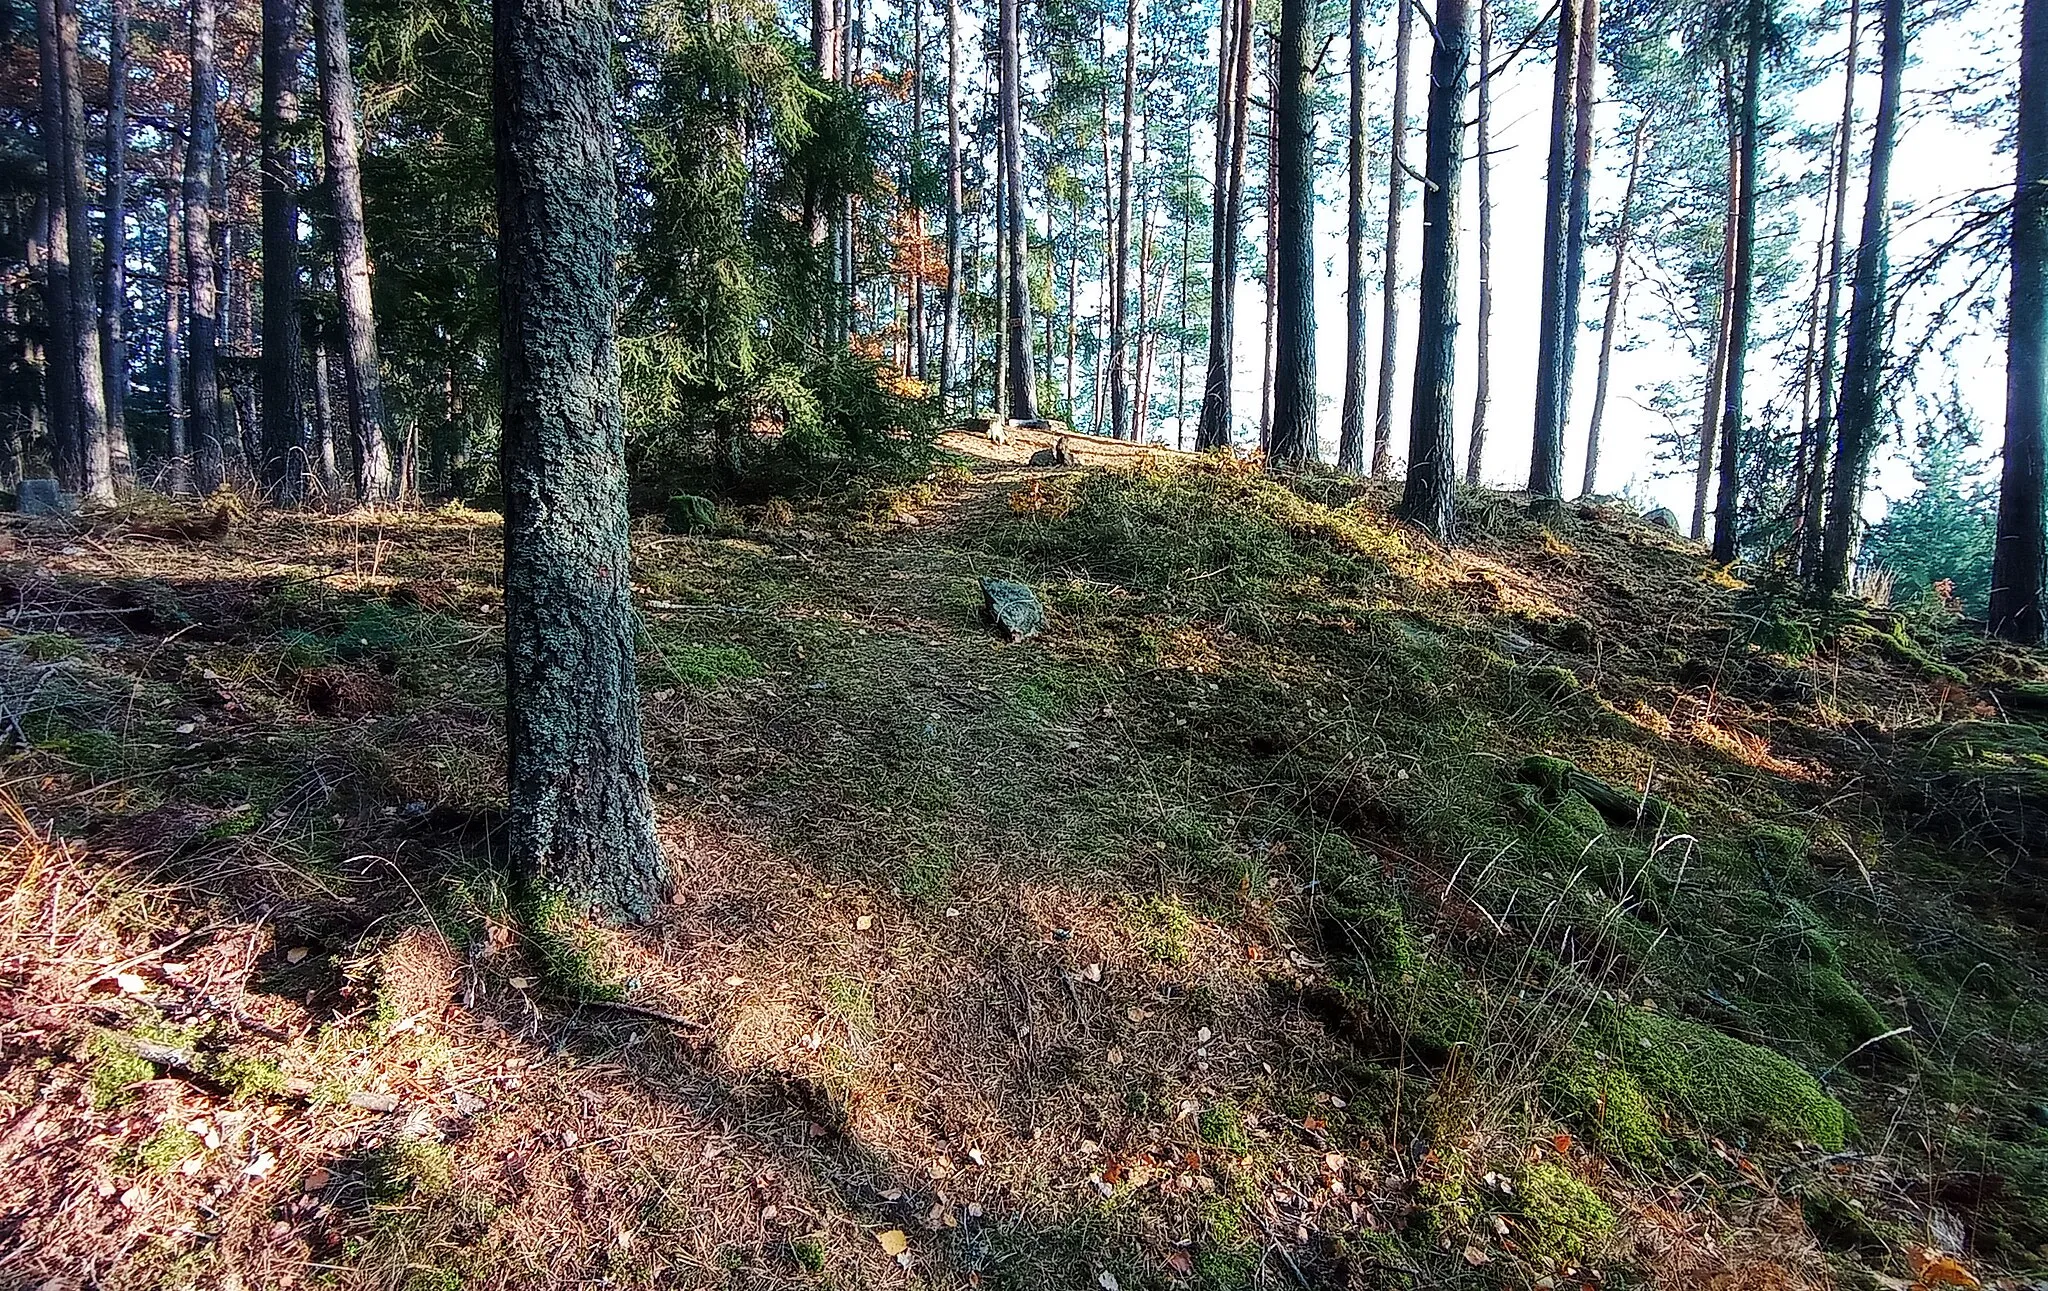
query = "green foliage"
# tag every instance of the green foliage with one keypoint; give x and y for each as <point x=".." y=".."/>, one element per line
<point x="1222" y="1126"/>
<point x="1941" y="533"/>
<point x="168" y="1148"/>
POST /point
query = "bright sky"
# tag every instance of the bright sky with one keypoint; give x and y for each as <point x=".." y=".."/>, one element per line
<point x="1937" y="159"/>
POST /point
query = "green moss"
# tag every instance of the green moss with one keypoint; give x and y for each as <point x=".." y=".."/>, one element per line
<point x="1566" y="1221"/>
<point x="247" y="1077"/>
<point x="1785" y="855"/>
<point x="115" y="1069"/>
<point x="1163" y="929"/>
<point x="1429" y="1002"/>
<point x="1606" y="1104"/>
<point x="1222" y="1125"/>
<point x="571" y="951"/>
<point x="809" y="1254"/>
<point x="168" y="1148"/>
<point x="1846" y="1019"/>
<point x="408" y="1166"/>
<point x="48" y="647"/>
<point x="703" y="666"/>
<point x="852" y="1001"/>
<point x="1718" y="1082"/>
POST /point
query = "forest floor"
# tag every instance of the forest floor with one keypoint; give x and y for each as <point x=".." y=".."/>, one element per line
<point x="1309" y="905"/>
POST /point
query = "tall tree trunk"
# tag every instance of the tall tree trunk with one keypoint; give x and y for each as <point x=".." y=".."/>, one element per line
<point x="949" y="328"/>
<point x="202" y="141"/>
<point x="1482" y="355"/>
<point x="114" y="281"/>
<point x="1233" y="92"/>
<point x="1573" y="295"/>
<point x="1624" y="226"/>
<point x="284" y="463"/>
<point x="375" y="480"/>
<point x="1863" y="363"/>
<point x="1831" y="327"/>
<point x="1717" y="367"/>
<point x="915" y="354"/>
<point x="174" y="328"/>
<point x="2018" y="559"/>
<point x="323" y="422"/>
<point x="1351" y="429"/>
<point x="1293" y="438"/>
<point x="1000" y="258"/>
<point x="1120" y="269"/>
<point x="1023" y="393"/>
<point x="1390" y="263"/>
<point x="60" y="364"/>
<point x="580" y="825"/>
<point x="1073" y="305"/>
<point x="1429" y="497"/>
<point x="1546" y="455"/>
<point x="1266" y="388"/>
<point x="1727" y="504"/>
<point x="1180" y="339"/>
<point x="90" y="378"/>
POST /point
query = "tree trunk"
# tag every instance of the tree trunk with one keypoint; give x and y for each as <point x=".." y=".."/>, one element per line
<point x="2018" y="559"/>
<point x="1351" y="430"/>
<point x="202" y="139"/>
<point x="1482" y="356"/>
<point x="1580" y="217"/>
<point x="1023" y="393"/>
<point x="1727" y="505"/>
<point x="1120" y="269"/>
<point x="284" y="462"/>
<point x="114" y="281"/>
<point x="323" y="423"/>
<point x="174" y="327"/>
<point x="949" y="328"/>
<point x="1390" y="265"/>
<point x="1141" y="406"/>
<point x="90" y="378"/>
<point x="1293" y="438"/>
<point x="1546" y="456"/>
<point x="1624" y="225"/>
<point x="1831" y="327"/>
<point x="1429" y="497"/>
<point x="914" y="355"/>
<point x="1266" y="389"/>
<point x="580" y="823"/>
<point x="60" y="364"/>
<point x="1233" y="93"/>
<point x="1717" y="367"/>
<point x="1863" y="363"/>
<point x="375" y="482"/>
<point x="1073" y="305"/>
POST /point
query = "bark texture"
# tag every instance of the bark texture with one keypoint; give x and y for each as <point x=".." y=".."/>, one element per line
<point x="375" y="480"/>
<point x="1482" y="343"/>
<point x="114" y="279"/>
<point x="1546" y="454"/>
<point x="1293" y="439"/>
<point x="1863" y="363"/>
<point x="1429" y="497"/>
<point x="202" y="141"/>
<point x="1728" y="498"/>
<point x="284" y="464"/>
<point x="1023" y="374"/>
<point x="1831" y="328"/>
<point x="581" y="824"/>
<point x="60" y="365"/>
<point x="2018" y="560"/>
<point x="1120" y="266"/>
<point x="1617" y="289"/>
<point x="1390" y="269"/>
<point x="949" y="327"/>
<point x="88" y="379"/>
<point x="1351" y="430"/>
<point x="1233" y="104"/>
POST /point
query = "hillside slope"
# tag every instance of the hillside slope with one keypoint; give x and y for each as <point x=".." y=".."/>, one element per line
<point x="1307" y="905"/>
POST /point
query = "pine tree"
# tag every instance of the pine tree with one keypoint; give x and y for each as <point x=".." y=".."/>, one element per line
<point x="2019" y="558"/>
<point x="1429" y="497"/>
<point x="581" y="823"/>
<point x="1293" y="438"/>
<point x="284" y="450"/>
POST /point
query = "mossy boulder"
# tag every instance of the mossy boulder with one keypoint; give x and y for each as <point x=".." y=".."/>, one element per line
<point x="1555" y="778"/>
<point x="1563" y="1220"/>
<point x="1721" y="1084"/>
<point x="1607" y="1106"/>
<point x="1391" y="982"/>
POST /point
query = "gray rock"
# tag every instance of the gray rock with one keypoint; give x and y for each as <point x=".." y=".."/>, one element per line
<point x="1058" y="455"/>
<point x="1012" y="607"/>
<point x="1662" y="518"/>
<point x="44" y="498"/>
<point x="690" y="513"/>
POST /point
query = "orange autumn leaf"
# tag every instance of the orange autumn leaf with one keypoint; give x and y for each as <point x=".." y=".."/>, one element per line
<point x="1931" y="1269"/>
<point x="1563" y="1144"/>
